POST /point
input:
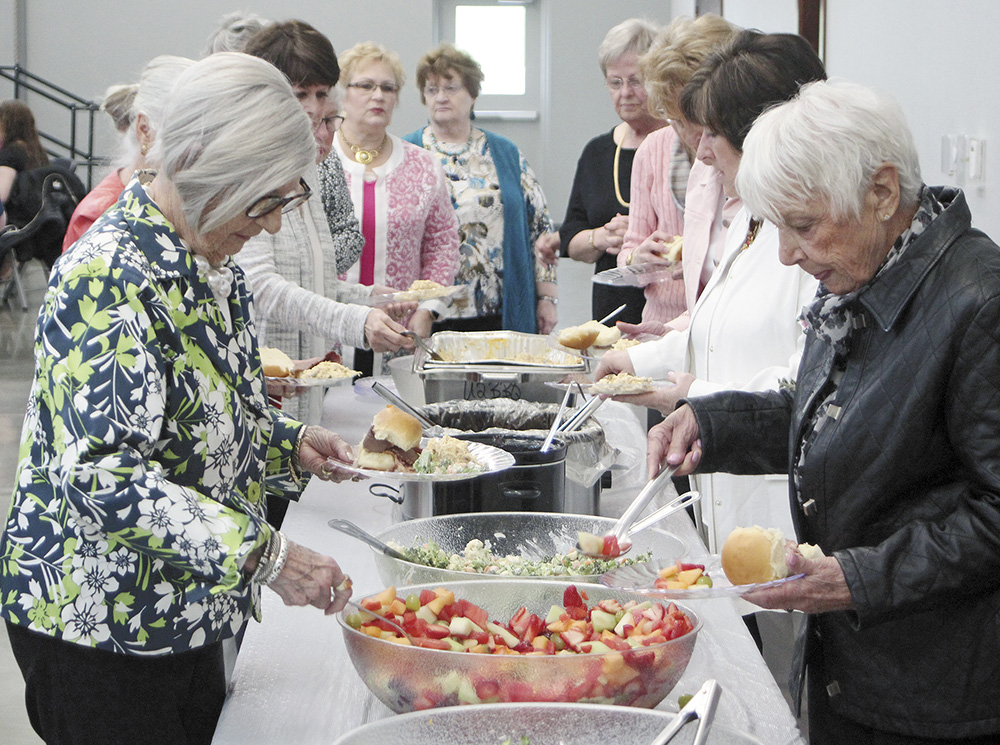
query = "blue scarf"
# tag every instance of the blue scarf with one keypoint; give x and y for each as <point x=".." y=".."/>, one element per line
<point x="518" y="288"/>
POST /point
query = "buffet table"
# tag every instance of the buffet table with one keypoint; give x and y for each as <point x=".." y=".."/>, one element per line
<point x="294" y="682"/>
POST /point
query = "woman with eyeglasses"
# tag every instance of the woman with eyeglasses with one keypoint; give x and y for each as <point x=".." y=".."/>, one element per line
<point x="499" y="203"/>
<point x="137" y="541"/>
<point x="599" y="202"/>
<point x="399" y="191"/>
<point x="304" y="308"/>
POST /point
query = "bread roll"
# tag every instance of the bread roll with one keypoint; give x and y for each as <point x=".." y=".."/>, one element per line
<point x="396" y="426"/>
<point x="276" y="363"/>
<point x="753" y="555"/>
<point x="674" y="249"/>
<point x="578" y="337"/>
<point x="392" y="443"/>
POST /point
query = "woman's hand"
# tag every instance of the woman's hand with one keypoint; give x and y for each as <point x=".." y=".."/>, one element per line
<point x="650" y="250"/>
<point x="675" y="441"/>
<point x="547" y="248"/>
<point x="309" y="578"/>
<point x="655" y="328"/>
<point x="421" y="322"/>
<point x="663" y="399"/>
<point x="609" y="238"/>
<point x="613" y="362"/>
<point x="823" y="589"/>
<point x="384" y="334"/>
<point x="319" y="444"/>
<point x="546" y="316"/>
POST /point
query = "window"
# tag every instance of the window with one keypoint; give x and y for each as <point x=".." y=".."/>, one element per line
<point x="504" y="37"/>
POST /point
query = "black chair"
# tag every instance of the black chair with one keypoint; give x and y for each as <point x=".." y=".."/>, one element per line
<point x="41" y="238"/>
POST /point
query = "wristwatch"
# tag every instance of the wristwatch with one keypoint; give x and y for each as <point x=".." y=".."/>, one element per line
<point x="553" y="300"/>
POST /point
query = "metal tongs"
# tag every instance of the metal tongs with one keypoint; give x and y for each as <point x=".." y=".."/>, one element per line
<point x="701" y="707"/>
<point x="419" y="341"/>
<point x="399" y="403"/>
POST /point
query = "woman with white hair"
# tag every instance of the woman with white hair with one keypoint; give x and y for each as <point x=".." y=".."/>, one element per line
<point x="137" y="541"/>
<point x="138" y="124"/>
<point x="889" y="433"/>
<point x="598" y="212"/>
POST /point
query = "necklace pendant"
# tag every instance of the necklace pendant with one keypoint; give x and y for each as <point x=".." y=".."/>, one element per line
<point x="364" y="157"/>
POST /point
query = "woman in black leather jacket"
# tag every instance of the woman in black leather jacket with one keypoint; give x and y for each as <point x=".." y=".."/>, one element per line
<point x="890" y="433"/>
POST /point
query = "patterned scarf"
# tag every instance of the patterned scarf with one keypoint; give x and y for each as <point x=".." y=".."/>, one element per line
<point x="833" y="319"/>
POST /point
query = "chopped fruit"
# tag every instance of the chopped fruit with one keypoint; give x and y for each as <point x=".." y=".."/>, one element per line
<point x="680" y="576"/>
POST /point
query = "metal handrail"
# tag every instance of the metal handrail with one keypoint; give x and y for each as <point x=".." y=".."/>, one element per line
<point x="85" y="157"/>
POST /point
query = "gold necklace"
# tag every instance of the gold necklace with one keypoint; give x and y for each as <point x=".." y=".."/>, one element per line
<point x="362" y="156"/>
<point x="618" y="191"/>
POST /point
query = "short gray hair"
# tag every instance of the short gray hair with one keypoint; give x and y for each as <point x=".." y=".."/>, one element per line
<point x="231" y="132"/>
<point x="633" y="36"/>
<point x="827" y="143"/>
<point x="234" y="32"/>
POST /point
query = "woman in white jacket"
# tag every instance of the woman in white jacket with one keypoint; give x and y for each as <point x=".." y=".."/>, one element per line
<point x="744" y="331"/>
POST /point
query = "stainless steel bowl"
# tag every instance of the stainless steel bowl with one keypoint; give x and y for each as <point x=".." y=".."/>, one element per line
<point x="407" y="678"/>
<point x="542" y="724"/>
<point x="536" y="534"/>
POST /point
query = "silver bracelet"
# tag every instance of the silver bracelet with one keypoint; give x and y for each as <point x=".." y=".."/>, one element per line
<point x="279" y="562"/>
<point x="553" y="300"/>
<point x="267" y="557"/>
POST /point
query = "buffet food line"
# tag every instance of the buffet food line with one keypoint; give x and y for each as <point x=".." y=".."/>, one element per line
<point x="294" y="681"/>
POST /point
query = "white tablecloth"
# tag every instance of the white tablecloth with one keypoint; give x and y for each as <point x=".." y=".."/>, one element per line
<point x="294" y="681"/>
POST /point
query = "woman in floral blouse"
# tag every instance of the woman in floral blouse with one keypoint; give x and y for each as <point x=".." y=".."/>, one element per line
<point x="499" y="203"/>
<point x="137" y="539"/>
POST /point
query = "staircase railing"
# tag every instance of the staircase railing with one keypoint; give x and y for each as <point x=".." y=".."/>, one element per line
<point x="81" y="115"/>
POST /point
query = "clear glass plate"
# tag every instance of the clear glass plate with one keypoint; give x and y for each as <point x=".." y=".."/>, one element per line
<point x="641" y="577"/>
<point x="313" y="382"/>
<point x="493" y="458"/>
<point x="636" y="275"/>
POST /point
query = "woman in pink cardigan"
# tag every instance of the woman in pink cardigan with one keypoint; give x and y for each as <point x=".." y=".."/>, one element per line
<point x="399" y="192"/>
<point x="672" y="194"/>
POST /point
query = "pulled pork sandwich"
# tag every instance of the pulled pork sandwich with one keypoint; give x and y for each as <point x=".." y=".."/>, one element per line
<point x="392" y="442"/>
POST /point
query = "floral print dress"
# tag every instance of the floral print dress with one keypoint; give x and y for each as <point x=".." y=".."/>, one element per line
<point x="146" y="450"/>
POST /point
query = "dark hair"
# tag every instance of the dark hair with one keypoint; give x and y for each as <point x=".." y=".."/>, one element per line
<point x="748" y="75"/>
<point x="18" y="126"/>
<point x="302" y="53"/>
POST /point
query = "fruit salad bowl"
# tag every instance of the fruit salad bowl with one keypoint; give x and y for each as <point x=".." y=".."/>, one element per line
<point x="540" y="724"/>
<point x="521" y="641"/>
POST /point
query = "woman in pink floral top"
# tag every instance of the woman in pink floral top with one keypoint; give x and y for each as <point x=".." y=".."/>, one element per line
<point x="399" y="192"/>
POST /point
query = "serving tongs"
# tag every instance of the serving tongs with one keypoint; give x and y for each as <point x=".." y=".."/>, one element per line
<point x="701" y="707"/>
<point x="349" y="528"/>
<point x="396" y="401"/>
<point x="419" y="341"/>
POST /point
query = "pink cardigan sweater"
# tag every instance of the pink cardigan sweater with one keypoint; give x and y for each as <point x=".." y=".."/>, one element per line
<point x="653" y="207"/>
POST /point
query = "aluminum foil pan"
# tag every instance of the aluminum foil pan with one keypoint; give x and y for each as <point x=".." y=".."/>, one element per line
<point x="478" y="349"/>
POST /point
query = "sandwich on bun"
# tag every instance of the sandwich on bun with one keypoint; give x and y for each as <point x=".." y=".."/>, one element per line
<point x="276" y="363"/>
<point x="392" y="442"/>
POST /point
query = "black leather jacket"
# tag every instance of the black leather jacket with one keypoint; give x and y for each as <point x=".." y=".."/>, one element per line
<point x="903" y="488"/>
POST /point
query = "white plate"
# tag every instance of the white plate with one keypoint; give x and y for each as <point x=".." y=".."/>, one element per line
<point x="640" y="578"/>
<point x="450" y="293"/>
<point x="313" y="382"/>
<point x="493" y="458"/>
<point x="636" y="275"/>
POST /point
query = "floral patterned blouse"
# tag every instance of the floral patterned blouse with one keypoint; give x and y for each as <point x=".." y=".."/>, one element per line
<point x="475" y="193"/>
<point x="146" y="449"/>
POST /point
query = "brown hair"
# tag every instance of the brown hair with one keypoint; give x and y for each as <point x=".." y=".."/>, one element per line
<point x="445" y="59"/>
<point x="302" y="53"/>
<point x="675" y="55"/>
<point x="17" y="124"/>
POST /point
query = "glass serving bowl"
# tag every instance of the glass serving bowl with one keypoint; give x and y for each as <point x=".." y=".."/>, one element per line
<point x="407" y="678"/>
<point x="531" y="534"/>
<point x="542" y="724"/>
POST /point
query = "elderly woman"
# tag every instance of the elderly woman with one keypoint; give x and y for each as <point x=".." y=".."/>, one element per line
<point x="141" y="121"/>
<point x="889" y="433"/>
<point x="509" y="289"/>
<point x="304" y="308"/>
<point x="399" y="190"/>
<point x="137" y="540"/>
<point x="743" y="331"/>
<point x="597" y="214"/>
<point x="669" y="178"/>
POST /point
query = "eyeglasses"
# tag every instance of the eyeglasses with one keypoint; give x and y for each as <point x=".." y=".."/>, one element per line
<point x="332" y="123"/>
<point x="369" y="86"/>
<point x="449" y="90"/>
<point x="266" y="205"/>
<point x="616" y="84"/>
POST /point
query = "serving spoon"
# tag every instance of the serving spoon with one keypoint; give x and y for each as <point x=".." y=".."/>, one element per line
<point x="346" y="526"/>
<point x="419" y="341"/>
<point x="614" y="543"/>
<point x="380" y="617"/>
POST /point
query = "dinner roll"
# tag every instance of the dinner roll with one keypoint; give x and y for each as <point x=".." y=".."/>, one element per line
<point x="276" y="363"/>
<point x="752" y="555"/>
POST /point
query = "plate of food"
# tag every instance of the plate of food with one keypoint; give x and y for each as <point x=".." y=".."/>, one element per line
<point x="279" y="368"/>
<point x="623" y="384"/>
<point x="421" y="289"/>
<point x="640" y="275"/>
<point x="751" y="559"/>
<point x="394" y="447"/>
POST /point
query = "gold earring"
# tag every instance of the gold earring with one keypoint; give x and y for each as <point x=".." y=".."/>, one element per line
<point x="144" y="148"/>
